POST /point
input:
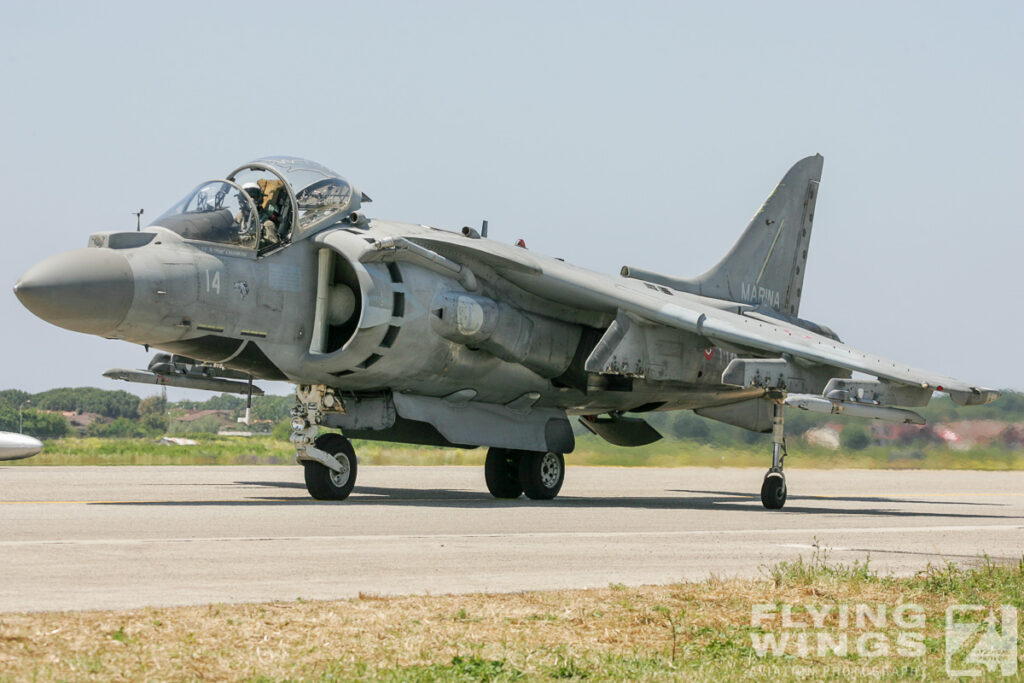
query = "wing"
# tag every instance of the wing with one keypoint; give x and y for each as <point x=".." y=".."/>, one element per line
<point x="755" y="333"/>
<point x="729" y="324"/>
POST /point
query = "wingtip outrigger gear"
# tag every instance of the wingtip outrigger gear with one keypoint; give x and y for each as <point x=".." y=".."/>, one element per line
<point x="773" y="490"/>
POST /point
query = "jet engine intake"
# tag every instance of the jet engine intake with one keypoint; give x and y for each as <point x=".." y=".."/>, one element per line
<point x="338" y="302"/>
<point x="341" y="304"/>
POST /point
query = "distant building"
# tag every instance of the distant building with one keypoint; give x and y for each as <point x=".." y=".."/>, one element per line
<point x="79" y="421"/>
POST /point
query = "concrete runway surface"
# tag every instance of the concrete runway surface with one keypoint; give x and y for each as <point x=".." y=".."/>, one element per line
<point x="74" y="538"/>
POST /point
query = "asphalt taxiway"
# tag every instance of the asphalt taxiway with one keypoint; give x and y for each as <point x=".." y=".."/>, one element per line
<point x="76" y="538"/>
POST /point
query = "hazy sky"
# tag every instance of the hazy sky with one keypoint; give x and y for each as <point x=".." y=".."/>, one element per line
<point x="607" y="133"/>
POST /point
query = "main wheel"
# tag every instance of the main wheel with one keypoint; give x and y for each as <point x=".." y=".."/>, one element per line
<point x="324" y="483"/>
<point x="541" y="474"/>
<point x="773" y="491"/>
<point x="501" y="472"/>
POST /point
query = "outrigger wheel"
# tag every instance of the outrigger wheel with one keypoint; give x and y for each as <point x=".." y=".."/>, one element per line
<point x="324" y="483"/>
<point x="509" y="473"/>
<point x="773" y="490"/>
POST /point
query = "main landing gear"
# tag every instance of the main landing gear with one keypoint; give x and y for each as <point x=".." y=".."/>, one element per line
<point x="773" y="490"/>
<point x="509" y="473"/>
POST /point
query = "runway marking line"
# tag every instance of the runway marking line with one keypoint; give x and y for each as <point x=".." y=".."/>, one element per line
<point x="536" y="535"/>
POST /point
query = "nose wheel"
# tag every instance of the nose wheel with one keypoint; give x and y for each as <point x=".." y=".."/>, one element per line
<point x="773" y="490"/>
<point x="324" y="483"/>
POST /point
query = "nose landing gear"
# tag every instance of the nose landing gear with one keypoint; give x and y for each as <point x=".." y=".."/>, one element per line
<point x="324" y="483"/>
<point x="329" y="460"/>
<point x="773" y="490"/>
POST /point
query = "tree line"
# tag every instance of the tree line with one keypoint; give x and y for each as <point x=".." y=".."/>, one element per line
<point x="125" y="415"/>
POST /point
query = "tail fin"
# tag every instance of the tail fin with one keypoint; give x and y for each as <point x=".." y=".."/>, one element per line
<point x="766" y="265"/>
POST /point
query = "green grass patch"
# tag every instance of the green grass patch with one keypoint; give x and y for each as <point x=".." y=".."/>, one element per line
<point x="209" y="450"/>
<point x="269" y="450"/>
<point x="459" y="670"/>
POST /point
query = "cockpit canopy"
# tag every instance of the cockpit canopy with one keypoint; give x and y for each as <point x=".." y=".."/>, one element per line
<point x="264" y="204"/>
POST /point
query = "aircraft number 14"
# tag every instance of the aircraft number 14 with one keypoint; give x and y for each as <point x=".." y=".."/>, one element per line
<point x="213" y="284"/>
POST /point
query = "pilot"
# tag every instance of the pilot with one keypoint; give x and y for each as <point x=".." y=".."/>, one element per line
<point x="254" y="191"/>
<point x="268" y="215"/>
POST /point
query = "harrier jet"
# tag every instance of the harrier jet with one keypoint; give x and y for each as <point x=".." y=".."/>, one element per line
<point x="414" y="334"/>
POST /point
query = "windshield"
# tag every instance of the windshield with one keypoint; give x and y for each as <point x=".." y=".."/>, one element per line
<point x="216" y="211"/>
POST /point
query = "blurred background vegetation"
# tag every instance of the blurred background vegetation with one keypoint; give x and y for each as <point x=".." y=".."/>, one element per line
<point x="95" y="426"/>
<point x="88" y="411"/>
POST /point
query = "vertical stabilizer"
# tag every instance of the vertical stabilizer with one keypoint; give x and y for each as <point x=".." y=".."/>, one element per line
<point x="766" y="265"/>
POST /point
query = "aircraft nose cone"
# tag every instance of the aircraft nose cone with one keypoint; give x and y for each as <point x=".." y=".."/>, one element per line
<point x="86" y="290"/>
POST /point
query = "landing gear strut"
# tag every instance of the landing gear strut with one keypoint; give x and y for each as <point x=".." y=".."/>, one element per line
<point x="773" y="490"/>
<point x="329" y="460"/>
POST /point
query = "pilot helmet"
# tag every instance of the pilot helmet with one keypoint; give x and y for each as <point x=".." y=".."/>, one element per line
<point x="254" y="191"/>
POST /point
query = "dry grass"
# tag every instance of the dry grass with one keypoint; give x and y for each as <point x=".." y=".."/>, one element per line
<point x="692" y="631"/>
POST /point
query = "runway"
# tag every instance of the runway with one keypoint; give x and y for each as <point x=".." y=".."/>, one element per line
<point x="74" y="538"/>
